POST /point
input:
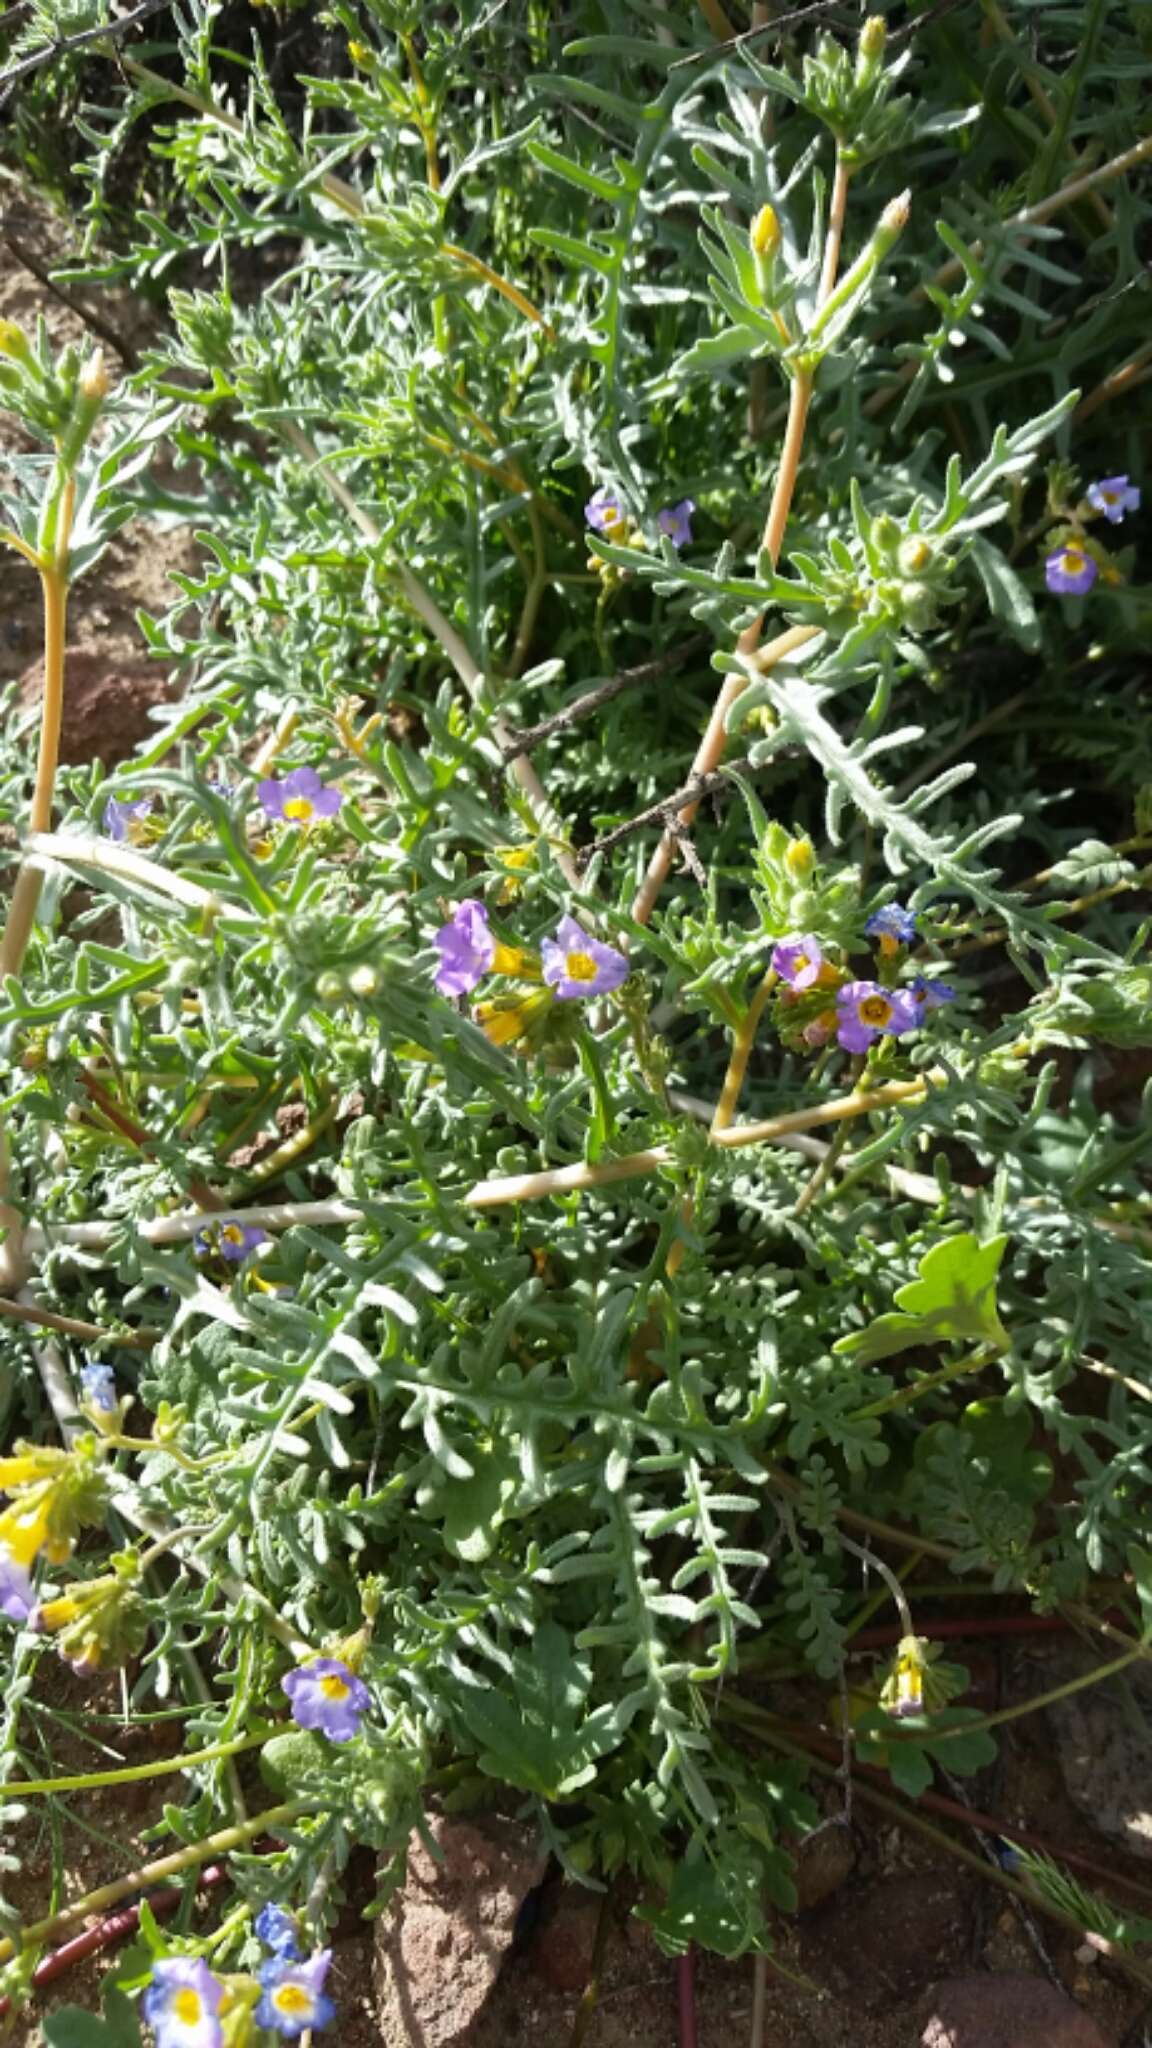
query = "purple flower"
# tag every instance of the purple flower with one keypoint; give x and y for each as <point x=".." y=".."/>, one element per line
<point x="864" y="1010"/>
<point x="798" y="960"/>
<point x="576" y="964"/>
<point x="1114" y="496"/>
<point x="466" y="948"/>
<point x="676" y="522"/>
<point x="124" y="820"/>
<point x="98" y="1386"/>
<point x="16" y="1596"/>
<point x="892" y="921"/>
<point x="277" y="1930"/>
<point x="293" y="1995"/>
<point x="1070" y="569"/>
<point x="181" y="2004"/>
<point x="300" y="798"/>
<point x="605" y="513"/>
<point x="932" y="995"/>
<point x="326" y="1695"/>
<point x="233" y="1241"/>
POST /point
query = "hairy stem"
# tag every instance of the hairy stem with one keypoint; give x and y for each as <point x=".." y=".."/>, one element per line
<point x="741" y="1053"/>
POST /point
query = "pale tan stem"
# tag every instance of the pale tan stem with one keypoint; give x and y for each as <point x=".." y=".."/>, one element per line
<point x="708" y="756"/>
<point x="1135" y="371"/>
<point x="835" y="231"/>
<point x="29" y="881"/>
<point x="741" y="1053"/>
<point x="524" y="1187"/>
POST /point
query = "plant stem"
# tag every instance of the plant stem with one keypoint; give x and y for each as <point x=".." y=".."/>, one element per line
<point x="71" y="850"/>
<point x="589" y="1997"/>
<point x="708" y="755"/>
<point x="72" y="1326"/>
<point x="188" y="1858"/>
<point x="135" y="1774"/>
<point x="835" y="230"/>
<point x="903" y="1397"/>
<point x="740" y="1055"/>
<point x="1033" y="1706"/>
<point x="54" y="591"/>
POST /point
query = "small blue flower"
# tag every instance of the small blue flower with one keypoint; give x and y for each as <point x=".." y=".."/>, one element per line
<point x="1069" y="570"/>
<point x="1114" y="496"/>
<point x="676" y="522"/>
<point x="327" y="1696"/>
<point x="932" y="995"/>
<point x="233" y="1241"/>
<point x="16" y="1596"/>
<point x="293" y="1996"/>
<point x="576" y="965"/>
<point x="124" y="820"/>
<point x="798" y="960"/>
<point x="893" y="922"/>
<point x="864" y="1011"/>
<point x="98" y="1386"/>
<point x="277" y="1930"/>
<point x="300" y="798"/>
<point x="182" y="2002"/>
<point x="605" y="513"/>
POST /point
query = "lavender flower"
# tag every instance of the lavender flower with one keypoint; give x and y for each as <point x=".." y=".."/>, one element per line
<point x="1114" y="496"/>
<point x="798" y="960"/>
<point x="98" y="1386"/>
<point x="16" y="1596"/>
<point x="893" y="922"/>
<point x="277" y="1930"/>
<point x="326" y="1695"/>
<point x="1070" y="569"/>
<point x="577" y="965"/>
<point x="932" y="995"/>
<point x="300" y="798"/>
<point x="181" y="2004"/>
<point x="293" y="1995"/>
<point x="233" y="1241"/>
<point x="124" y="819"/>
<point x="864" y="1010"/>
<point x="676" y="522"/>
<point x="466" y="948"/>
<point x="605" y="513"/>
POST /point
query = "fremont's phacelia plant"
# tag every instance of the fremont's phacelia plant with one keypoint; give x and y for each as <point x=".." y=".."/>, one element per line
<point x="798" y="960"/>
<point x="300" y="798"/>
<point x="293" y="1997"/>
<point x="576" y="965"/>
<point x="467" y="949"/>
<point x="1069" y="570"/>
<point x="182" y="2004"/>
<point x="124" y="818"/>
<point x="894" y="923"/>
<point x="1114" y="496"/>
<point x="675" y="521"/>
<point x="865" y="1011"/>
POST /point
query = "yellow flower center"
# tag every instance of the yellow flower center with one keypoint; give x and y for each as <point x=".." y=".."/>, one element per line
<point x="333" y="1687"/>
<point x="1074" y="562"/>
<point x="188" y="2006"/>
<point x="1110" y="497"/>
<point x="232" y="1234"/>
<point x="580" y="966"/>
<point x="802" y="963"/>
<point x="292" y="2000"/>
<point x="875" y="1010"/>
<point x="298" y="809"/>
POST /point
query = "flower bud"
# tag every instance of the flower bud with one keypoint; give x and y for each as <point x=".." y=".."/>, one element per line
<point x="918" y="604"/>
<point x="14" y="342"/>
<point x="93" y="383"/>
<point x="800" y="859"/>
<point x="330" y="988"/>
<point x="361" y="55"/>
<point x="914" y="555"/>
<point x="873" y="37"/>
<point x="764" y="234"/>
<point x="364" y="980"/>
<point x="885" y="533"/>
<point x="894" y="218"/>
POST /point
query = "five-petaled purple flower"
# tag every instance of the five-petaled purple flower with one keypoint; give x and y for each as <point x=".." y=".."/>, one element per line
<point x="1114" y="496"/>
<point x="293" y="1995"/>
<point x="277" y="1930"/>
<point x="466" y="948"/>
<point x="300" y="798"/>
<point x="1070" y="569"/>
<point x="124" y="818"/>
<point x="893" y="922"/>
<point x="182" y="2002"/>
<point x="605" y="513"/>
<point x="98" y="1386"/>
<point x="233" y="1241"/>
<point x="676" y="522"/>
<point x="16" y="1596"/>
<point x="576" y="964"/>
<point x="798" y="960"/>
<point x="327" y="1696"/>
<point x="864" y="1010"/>
<point x="932" y="995"/>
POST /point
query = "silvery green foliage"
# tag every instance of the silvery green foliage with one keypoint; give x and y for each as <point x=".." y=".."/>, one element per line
<point x="589" y="1490"/>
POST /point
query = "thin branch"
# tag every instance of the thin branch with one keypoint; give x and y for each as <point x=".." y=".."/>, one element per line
<point x="522" y="739"/>
<point x="127" y="351"/>
<point x="72" y="1326"/>
<point x="666" y="811"/>
<point x="65" y="46"/>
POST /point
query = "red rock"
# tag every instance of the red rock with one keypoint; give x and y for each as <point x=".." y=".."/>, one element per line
<point x="440" y="1945"/>
<point x="1007" y="2011"/>
<point x="884" y="1942"/>
<point x="824" y="1859"/>
<point x="107" y="703"/>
